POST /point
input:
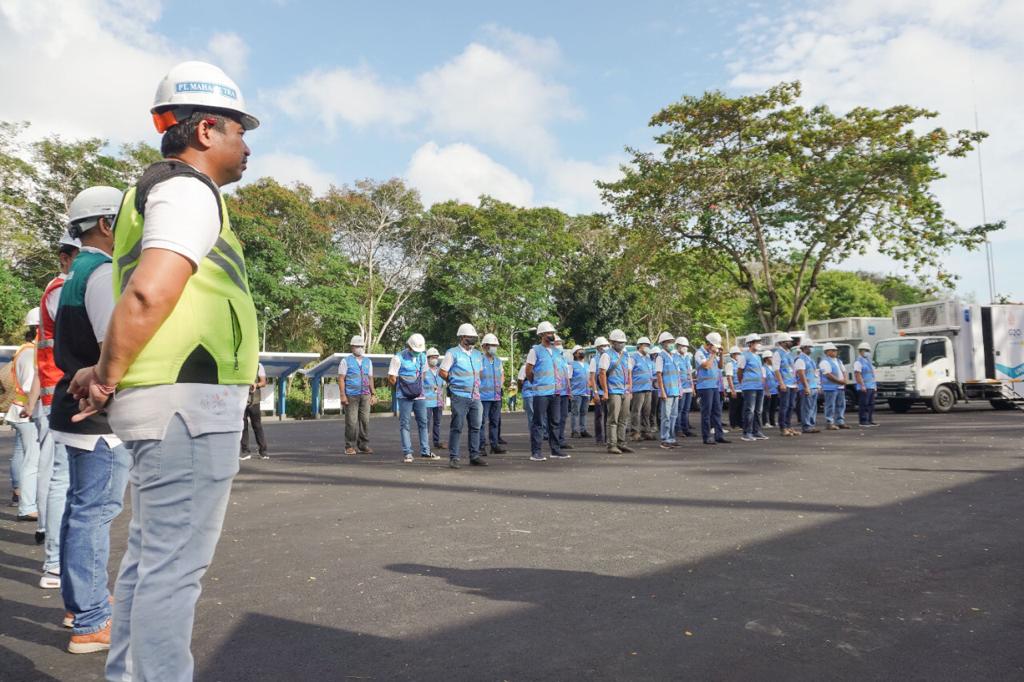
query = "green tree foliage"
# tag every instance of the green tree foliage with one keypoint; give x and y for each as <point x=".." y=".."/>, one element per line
<point x="782" y="191"/>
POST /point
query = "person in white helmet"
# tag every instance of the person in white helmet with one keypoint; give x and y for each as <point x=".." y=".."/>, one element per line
<point x="563" y="378"/>
<point x="731" y="373"/>
<point x="616" y="376"/>
<point x="684" y="362"/>
<point x="666" y="373"/>
<point x="581" y="393"/>
<point x="433" y="386"/>
<point x="641" y="423"/>
<point x="406" y="377"/>
<point x="785" y="377"/>
<point x="25" y="466"/>
<point x="182" y="349"/>
<point x="771" y="389"/>
<point x="540" y="371"/>
<point x="708" y="362"/>
<point x="807" y="378"/>
<point x="461" y="368"/>
<point x="833" y="385"/>
<point x="98" y="461"/>
<point x="492" y="382"/>
<point x="355" y="381"/>
<point x="600" y="399"/>
<point x="751" y="383"/>
<point x="864" y="374"/>
<point x="653" y="353"/>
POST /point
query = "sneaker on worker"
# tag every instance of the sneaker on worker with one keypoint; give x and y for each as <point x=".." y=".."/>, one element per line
<point x="92" y="642"/>
<point x="69" y="620"/>
<point x="50" y="580"/>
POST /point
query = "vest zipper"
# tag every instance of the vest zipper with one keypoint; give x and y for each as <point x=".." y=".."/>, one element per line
<point x="236" y="331"/>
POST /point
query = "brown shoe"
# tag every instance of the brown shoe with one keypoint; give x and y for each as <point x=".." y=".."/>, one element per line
<point x="91" y="643"/>
<point x="844" y="427"/>
<point x="366" y="451"/>
<point x="69" y="620"/>
<point x="833" y="427"/>
<point x="350" y="451"/>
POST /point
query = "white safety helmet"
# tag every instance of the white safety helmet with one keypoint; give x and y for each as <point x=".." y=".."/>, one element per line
<point x="67" y="240"/>
<point x="767" y="354"/>
<point x="545" y="327"/>
<point x="357" y="341"/>
<point x="432" y="352"/>
<point x="600" y="341"/>
<point x="558" y="339"/>
<point x="715" y="339"/>
<point x="618" y="335"/>
<point x="735" y="350"/>
<point x="192" y="86"/>
<point x="417" y="343"/>
<point x="467" y="330"/>
<point x="829" y="346"/>
<point x="490" y="340"/>
<point x="94" y="202"/>
<point x="753" y="338"/>
<point x="576" y="349"/>
<point x="864" y="345"/>
<point x="665" y="336"/>
<point x="642" y="340"/>
<point x="655" y="350"/>
<point x="683" y="341"/>
<point x="807" y="342"/>
<point x="32" y="318"/>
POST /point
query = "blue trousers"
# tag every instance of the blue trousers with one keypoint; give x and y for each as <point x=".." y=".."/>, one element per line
<point x="492" y="418"/>
<point x="434" y="417"/>
<point x="407" y="410"/>
<point x="866" y="406"/>
<point x="808" y="410"/>
<point x="787" y="404"/>
<point x="683" y="414"/>
<point x="753" y="404"/>
<point x="465" y="410"/>
<point x="580" y="404"/>
<point x="710" y="414"/>
<point x="547" y="410"/>
<point x="563" y="416"/>
<point x="835" y="407"/>
<point x="669" y="413"/>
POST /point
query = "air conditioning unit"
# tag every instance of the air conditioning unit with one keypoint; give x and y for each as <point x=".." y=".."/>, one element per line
<point x="838" y="330"/>
<point x="856" y="331"/>
<point x="818" y="330"/>
<point x="904" y="319"/>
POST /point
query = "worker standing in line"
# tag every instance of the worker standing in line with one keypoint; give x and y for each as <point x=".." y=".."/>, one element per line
<point x="771" y="389"/>
<point x="182" y="349"/>
<point x="833" y="384"/>
<point x="461" y="368"/>
<point x="751" y="380"/>
<point x="580" y="388"/>
<point x="731" y="372"/>
<point x="807" y="378"/>
<point x="684" y="361"/>
<point x="355" y="379"/>
<point x="406" y="376"/>
<point x="526" y="388"/>
<point x="23" y="369"/>
<point x="667" y="372"/>
<point x="600" y="398"/>
<point x="563" y="379"/>
<point x="433" y="388"/>
<point x="785" y="377"/>
<point x="616" y="377"/>
<point x="655" y="423"/>
<point x="708" y="362"/>
<point x="98" y="461"/>
<point x="864" y="374"/>
<point x="540" y="370"/>
<point x="492" y="379"/>
<point x="640" y="402"/>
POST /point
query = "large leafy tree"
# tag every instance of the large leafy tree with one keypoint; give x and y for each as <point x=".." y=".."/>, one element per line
<point x="782" y="191"/>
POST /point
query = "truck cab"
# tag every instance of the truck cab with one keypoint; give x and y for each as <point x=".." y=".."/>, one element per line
<point x="916" y="369"/>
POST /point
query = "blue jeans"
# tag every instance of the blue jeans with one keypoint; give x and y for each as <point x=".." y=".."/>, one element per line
<point x="28" y="434"/>
<point x="179" y="493"/>
<point x="683" y="415"/>
<point x="17" y="459"/>
<point x="669" y="411"/>
<point x="787" y="404"/>
<point x="808" y="410"/>
<point x="463" y="408"/>
<point x="492" y="418"/>
<point x="563" y="417"/>
<point x="406" y="409"/>
<point x="710" y="414"/>
<point x="528" y="408"/>
<point x="434" y="417"/>
<point x="546" y="412"/>
<point x="835" y="407"/>
<point x="51" y="491"/>
<point x="753" y="405"/>
<point x="95" y="498"/>
<point x="866" y="406"/>
<point x="580" y="404"/>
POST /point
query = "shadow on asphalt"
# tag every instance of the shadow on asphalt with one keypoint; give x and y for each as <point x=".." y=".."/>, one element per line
<point x="913" y="590"/>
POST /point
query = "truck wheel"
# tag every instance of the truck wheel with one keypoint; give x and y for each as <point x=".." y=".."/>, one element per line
<point x="943" y="400"/>
<point x="900" y="406"/>
<point x="1001" y="404"/>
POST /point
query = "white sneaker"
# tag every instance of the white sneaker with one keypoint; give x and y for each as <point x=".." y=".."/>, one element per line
<point x="50" y="581"/>
<point x="407" y="459"/>
<point x="761" y="437"/>
<point x="537" y="458"/>
<point x="242" y="456"/>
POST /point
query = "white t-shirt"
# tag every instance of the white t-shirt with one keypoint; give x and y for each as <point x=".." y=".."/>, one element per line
<point x="522" y="372"/>
<point x="182" y="216"/>
<point x="799" y="364"/>
<point x="826" y="368"/>
<point x="857" y="366"/>
<point x="24" y="373"/>
<point x="531" y="357"/>
<point x="592" y="367"/>
<point x="394" y="367"/>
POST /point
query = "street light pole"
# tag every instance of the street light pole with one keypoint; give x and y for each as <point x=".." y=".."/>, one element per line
<point x="512" y="346"/>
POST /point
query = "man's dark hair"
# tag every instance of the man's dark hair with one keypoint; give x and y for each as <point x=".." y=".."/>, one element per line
<point x="67" y="249"/>
<point x="30" y="334"/>
<point x="178" y="137"/>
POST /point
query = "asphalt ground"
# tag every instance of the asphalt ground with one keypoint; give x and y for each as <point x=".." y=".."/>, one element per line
<point x="889" y="553"/>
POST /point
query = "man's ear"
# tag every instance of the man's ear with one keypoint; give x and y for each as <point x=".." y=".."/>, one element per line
<point x="204" y="133"/>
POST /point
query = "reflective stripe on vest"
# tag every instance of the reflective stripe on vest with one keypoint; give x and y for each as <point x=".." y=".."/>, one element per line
<point x="643" y="372"/>
<point x="490" y="379"/>
<point x="772" y="380"/>
<point x="433" y="388"/>
<point x="809" y="370"/>
<point x="358" y="375"/>
<point x="616" y="372"/>
<point x="834" y="370"/>
<point x="561" y="374"/>
<point x="46" y="367"/>
<point x="786" y="367"/>
<point x="753" y="379"/>
<point x="867" y="372"/>
<point x="669" y="373"/>
<point x="464" y="374"/>
<point x="211" y="335"/>
<point x="544" y="370"/>
<point x="579" y="378"/>
<point x="707" y="378"/>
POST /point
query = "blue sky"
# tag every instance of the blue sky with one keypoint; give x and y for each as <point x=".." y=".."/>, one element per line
<point x="526" y="101"/>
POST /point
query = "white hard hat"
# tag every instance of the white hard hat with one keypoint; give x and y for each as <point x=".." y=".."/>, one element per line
<point x="490" y="340"/>
<point x="618" y="335"/>
<point x="416" y="342"/>
<point x="93" y="202"/>
<point x="600" y="341"/>
<point x="829" y="346"/>
<point x="558" y="339"/>
<point x="655" y="350"/>
<point x="545" y="327"/>
<point x="467" y="330"/>
<point x="576" y="349"/>
<point x="752" y="338"/>
<point x="432" y="352"/>
<point x="32" y="318"/>
<point x="642" y="340"/>
<point x="192" y="86"/>
<point x="683" y="341"/>
<point x="357" y="341"/>
<point x="67" y="240"/>
<point x="864" y="345"/>
<point x="734" y="350"/>
<point x="715" y="339"/>
<point x="665" y="336"/>
<point x="806" y="342"/>
<point x="766" y="354"/>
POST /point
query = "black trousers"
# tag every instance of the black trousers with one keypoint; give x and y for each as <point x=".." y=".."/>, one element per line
<point x="736" y="411"/>
<point x="434" y="417"/>
<point x="771" y="409"/>
<point x="252" y="416"/>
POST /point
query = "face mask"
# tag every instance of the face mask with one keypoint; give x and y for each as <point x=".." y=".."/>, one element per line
<point x="757" y="347"/>
<point x="550" y="338"/>
<point x="602" y="349"/>
<point x="618" y="346"/>
<point x="468" y="341"/>
<point x="643" y="350"/>
<point x="667" y="349"/>
<point x="358" y="352"/>
<point x="489" y="350"/>
<point x="865" y="353"/>
<point x="433" y="362"/>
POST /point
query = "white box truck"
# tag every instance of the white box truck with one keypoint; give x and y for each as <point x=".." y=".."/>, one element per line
<point x="948" y="351"/>
<point x="852" y="330"/>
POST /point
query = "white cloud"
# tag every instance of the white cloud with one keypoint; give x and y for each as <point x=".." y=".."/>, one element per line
<point x="572" y="183"/>
<point x="230" y="53"/>
<point x="462" y="172"/>
<point x="939" y="55"/>
<point x="539" y="53"/>
<point x="288" y="168"/>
